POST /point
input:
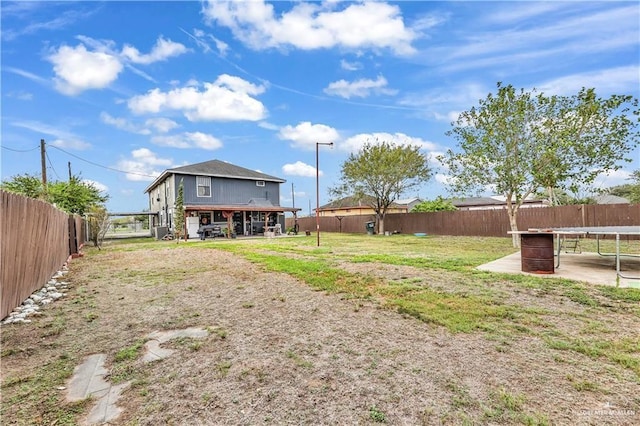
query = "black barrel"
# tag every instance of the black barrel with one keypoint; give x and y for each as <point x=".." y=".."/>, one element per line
<point x="536" y="252"/>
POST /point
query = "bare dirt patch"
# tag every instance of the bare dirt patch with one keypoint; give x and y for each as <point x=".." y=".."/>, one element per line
<point x="279" y="352"/>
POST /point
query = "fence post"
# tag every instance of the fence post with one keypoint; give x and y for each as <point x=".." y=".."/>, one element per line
<point x="73" y="241"/>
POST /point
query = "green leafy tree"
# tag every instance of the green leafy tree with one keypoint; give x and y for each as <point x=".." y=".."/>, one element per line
<point x="517" y="142"/>
<point x="178" y="219"/>
<point x="630" y="191"/>
<point x="99" y="222"/>
<point x="26" y="184"/>
<point x="383" y="171"/>
<point x="74" y="196"/>
<point x="437" y="205"/>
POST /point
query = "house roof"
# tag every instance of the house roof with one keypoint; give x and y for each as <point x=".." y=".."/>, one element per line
<point x="352" y="202"/>
<point x="611" y="199"/>
<point x="407" y="201"/>
<point x="485" y="201"/>
<point x="214" y="168"/>
<point x="476" y="201"/>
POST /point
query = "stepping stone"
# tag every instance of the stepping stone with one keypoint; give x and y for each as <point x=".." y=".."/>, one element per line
<point x="88" y="381"/>
<point x="153" y="350"/>
<point x="106" y="409"/>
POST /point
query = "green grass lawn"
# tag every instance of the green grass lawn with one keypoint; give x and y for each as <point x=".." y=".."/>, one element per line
<point x="455" y="295"/>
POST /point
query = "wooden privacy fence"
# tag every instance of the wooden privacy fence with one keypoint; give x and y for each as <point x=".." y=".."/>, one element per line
<point x="36" y="239"/>
<point x="487" y="223"/>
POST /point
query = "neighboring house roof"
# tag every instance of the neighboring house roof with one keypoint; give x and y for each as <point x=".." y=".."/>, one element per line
<point x="408" y="201"/>
<point x="476" y="201"/>
<point x="611" y="199"/>
<point x="486" y="201"/>
<point x="352" y="202"/>
<point x="214" y="168"/>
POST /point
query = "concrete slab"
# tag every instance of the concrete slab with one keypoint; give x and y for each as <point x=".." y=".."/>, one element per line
<point x="588" y="267"/>
<point x="106" y="409"/>
<point x="153" y="351"/>
<point x="88" y="381"/>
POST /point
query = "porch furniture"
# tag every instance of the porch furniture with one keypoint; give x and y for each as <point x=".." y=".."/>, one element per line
<point x="210" y="230"/>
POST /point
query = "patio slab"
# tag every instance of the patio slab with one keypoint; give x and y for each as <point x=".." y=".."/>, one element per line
<point x="588" y="267"/>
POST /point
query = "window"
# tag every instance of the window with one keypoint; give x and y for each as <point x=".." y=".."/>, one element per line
<point x="259" y="183"/>
<point x="204" y="186"/>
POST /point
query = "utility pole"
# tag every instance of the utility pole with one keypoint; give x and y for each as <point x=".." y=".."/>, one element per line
<point x="295" y="214"/>
<point x="318" y="188"/>
<point x="43" y="163"/>
<point x="69" y="165"/>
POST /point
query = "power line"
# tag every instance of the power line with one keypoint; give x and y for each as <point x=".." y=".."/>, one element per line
<point x="20" y="150"/>
<point x="100" y="165"/>
<point x="51" y="165"/>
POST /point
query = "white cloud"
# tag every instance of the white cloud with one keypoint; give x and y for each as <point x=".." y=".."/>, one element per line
<point x="20" y="95"/>
<point x="359" y="88"/>
<point x="451" y="116"/>
<point x="446" y="104"/>
<point x="97" y="185"/>
<point x="32" y="26"/>
<point x="606" y="81"/>
<point x="305" y="135"/>
<point x="506" y="41"/>
<point x="143" y="165"/>
<point x="152" y="125"/>
<point x="442" y="178"/>
<point x="189" y="140"/>
<point x="123" y="124"/>
<point x="268" y="126"/>
<point x="300" y="169"/>
<point x="228" y="98"/>
<point x="77" y="144"/>
<point x="26" y="74"/>
<point x="63" y="138"/>
<point x="523" y="12"/>
<point x="355" y="143"/>
<point x="161" y="125"/>
<point x="77" y="69"/>
<point x="612" y="178"/>
<point x="161" y="51"/>
<point x="350" y="66"/>
<point x="308" y="26"/>
<point x="428" y="21"/>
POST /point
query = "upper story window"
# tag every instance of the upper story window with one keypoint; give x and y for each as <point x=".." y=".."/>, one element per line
<point x="259" y="183"/>
<point x="204" y="186"/>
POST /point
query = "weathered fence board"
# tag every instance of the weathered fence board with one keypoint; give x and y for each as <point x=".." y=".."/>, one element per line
<point x="34" y="244"/>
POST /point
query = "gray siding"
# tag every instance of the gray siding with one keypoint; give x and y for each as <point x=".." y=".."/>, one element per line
<point x="228" y="191"/>
<point x="190" y="190"/>
<point x="238" y="191"/>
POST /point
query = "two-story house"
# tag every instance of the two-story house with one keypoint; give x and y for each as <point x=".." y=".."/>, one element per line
<point x="216" y="192"/>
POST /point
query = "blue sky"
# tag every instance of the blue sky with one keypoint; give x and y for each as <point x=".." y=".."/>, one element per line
<point x="124" y="90"/>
